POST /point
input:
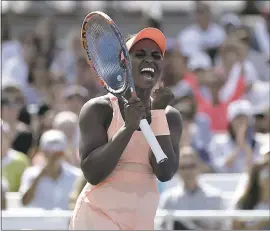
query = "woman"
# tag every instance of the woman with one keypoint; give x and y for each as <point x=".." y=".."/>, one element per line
<point x="236" y="151"/>
<point x="116" y="160"/>
<point x="256" y="196"/>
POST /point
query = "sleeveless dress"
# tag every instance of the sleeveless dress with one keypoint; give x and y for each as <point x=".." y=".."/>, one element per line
<point x="128" y="198"/>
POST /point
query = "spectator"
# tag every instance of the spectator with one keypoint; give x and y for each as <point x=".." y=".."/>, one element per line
<point x="240" y="73"/>
<point x="77" y="189"/>
<point x="236" y="151"/>
<point x="206" y="34"/>
<point x="175" y="65"/>
<point x="257" y="59"/>
<point x="17" y="67"/>
<point x="207" y="87"/>
<point x="260" y="100"/>
<point x="58" y="86"/>
<point x="67" y="122"/>
<point x="196" y="126"/>
<point x="39" y="79"/>
<point x="13" y="162"/>
<point x="85" y="77"/>
<point x="192" y="195"/>
<point x="75" y="97"/>
<point x="12" y="102"/>
<point x="256" y="196"/>
<point x="48" y="186"/>
<point x="46" y="32"/>
<point x="64" y="63"/>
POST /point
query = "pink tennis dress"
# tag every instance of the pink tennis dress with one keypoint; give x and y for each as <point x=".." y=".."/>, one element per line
<point x="128" y="198"/>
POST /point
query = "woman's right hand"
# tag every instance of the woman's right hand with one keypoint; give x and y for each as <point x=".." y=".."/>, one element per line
<point x="134" y="113"/>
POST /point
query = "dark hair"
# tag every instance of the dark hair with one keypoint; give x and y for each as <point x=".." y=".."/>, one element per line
<point x="43" y="108"/>
<point x="24" y="116"/>
<point x="251" y="194"/>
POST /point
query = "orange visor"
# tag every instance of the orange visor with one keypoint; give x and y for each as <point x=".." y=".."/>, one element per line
<point x="149" y="33"/>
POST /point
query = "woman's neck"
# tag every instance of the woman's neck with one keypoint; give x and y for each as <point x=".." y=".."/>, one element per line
<point x="145" y="96"/>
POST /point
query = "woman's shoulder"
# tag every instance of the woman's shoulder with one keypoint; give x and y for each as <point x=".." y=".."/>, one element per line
<point x="173" y="114"/>
<point x="99" y="107"/>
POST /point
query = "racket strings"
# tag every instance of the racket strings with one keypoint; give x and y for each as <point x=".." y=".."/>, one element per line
<point x="104" y="52"/>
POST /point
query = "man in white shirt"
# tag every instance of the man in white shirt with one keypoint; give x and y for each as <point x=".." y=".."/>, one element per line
<point x="192" y="195"/>
<point x="205" y="34"/>
<point x="49" y="186"/>
<point x="17" y="66"/>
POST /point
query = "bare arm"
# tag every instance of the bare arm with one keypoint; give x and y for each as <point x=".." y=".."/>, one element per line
<point x="28" y="196"/>
<point x="99" y="156"/>
<point x="170" y="146"/>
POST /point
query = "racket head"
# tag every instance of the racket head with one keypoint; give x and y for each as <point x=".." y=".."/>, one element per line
<point x="106" y="52"/>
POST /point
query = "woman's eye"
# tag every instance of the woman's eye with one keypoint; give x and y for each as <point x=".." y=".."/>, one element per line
<point x="139" y="55"/>
<point x="157" y="56"/>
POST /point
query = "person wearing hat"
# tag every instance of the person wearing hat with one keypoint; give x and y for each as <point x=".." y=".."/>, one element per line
<point x="48" y="186"/>
<point x="116" y="160"/>
<point x="197" y="126"/>
<point x="67" y="122"/>
<point x="237" y="150"/>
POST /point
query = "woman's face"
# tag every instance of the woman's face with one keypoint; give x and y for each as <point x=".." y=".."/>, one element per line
<point x="146" y="54"/>
<point x="239" y="121"/>
<point x="13" y="105"/>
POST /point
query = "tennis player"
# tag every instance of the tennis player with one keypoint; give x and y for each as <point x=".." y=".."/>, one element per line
<point x="121" y="170"/>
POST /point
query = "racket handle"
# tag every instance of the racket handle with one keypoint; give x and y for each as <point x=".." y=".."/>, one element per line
<point x="152" y="141"/>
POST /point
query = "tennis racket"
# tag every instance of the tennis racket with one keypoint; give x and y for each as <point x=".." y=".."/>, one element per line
<point x="108" y="56"/>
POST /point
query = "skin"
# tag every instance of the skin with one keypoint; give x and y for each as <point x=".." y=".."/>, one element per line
<point x="11" y="111"/>
<point x="264" y="197"/>
<point x="203" y="15"/>
<point x="52" y="170"/>
<point x="99" y="155"/>
<point x="240" y="126"/>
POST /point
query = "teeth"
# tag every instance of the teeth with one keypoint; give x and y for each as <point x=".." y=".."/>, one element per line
<point x="148" y="69"/>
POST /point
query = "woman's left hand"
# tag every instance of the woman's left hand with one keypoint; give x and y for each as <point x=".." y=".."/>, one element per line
<point x="161" y="98"/>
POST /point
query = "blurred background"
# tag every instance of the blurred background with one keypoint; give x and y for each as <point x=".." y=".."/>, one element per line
<point x="217" y="64"/>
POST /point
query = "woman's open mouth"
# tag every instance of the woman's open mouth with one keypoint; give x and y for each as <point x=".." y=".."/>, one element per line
<point x="148" y="72"/>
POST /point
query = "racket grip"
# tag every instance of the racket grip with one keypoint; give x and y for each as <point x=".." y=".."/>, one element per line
<point x="152" y="141"/>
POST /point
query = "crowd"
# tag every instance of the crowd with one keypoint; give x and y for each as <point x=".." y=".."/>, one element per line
<point x="219" y="72"/>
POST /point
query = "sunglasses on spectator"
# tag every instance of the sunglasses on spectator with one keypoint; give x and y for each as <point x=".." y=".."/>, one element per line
<point x="187" y="166"/>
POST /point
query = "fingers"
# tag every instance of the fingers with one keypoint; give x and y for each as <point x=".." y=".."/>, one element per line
<point x="163" y="91"/>
<point x="133" y="100"/>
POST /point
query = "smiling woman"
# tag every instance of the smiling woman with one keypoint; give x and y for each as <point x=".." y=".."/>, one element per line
<point x="116" y="159"/>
